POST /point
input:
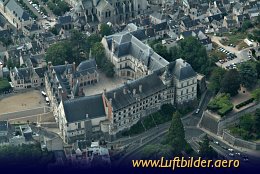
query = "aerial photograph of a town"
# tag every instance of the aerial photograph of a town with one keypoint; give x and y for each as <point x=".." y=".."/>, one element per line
<point x="158" y="86"/>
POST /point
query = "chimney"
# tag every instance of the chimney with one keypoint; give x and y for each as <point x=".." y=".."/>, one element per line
<point x="74" y="67"/>
<point x="140" y="88"/>
<point x="104" y="91"/>
<point x="66" y="62"/>
<point x="134" y="91"/>
<point x="124" y="90"/>
<point x="86" y="116"/>
<point x="114" y="95"/>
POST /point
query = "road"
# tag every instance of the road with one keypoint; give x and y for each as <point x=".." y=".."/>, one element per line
<point x="50" y="13"/>
<point x="33" y="9"/>
<point x="25" y="113"/>
<point x="242" y="55"/>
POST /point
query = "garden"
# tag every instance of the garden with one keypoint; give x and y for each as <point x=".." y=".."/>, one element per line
<point x="221" y="104"/>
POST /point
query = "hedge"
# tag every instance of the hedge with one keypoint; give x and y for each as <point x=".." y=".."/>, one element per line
<point x="244" y="103"/>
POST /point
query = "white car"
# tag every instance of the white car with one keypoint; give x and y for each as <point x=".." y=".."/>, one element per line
<point x="216" y="142"/>
<point x="231" y="150"/>
<point x="231" y="154"/>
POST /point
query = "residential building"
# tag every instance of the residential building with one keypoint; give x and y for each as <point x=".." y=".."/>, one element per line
<point x="27" y="77"/>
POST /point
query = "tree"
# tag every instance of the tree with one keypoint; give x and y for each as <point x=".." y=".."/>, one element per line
<point x="59" y="52"/>
<point x="257" y="120"/>
<point x="156" y="151"/>
<point x="247" y="122"/>
<point x="10" y="64"/>
<point x="176" y="135"/>
<point x="257" y="67"/>
<point x="248" y="75"/>
<point x="256" y="94"/>
<point x="98" y="52"/>
<point x="162" y="51"/>
<point x="216" y="78"/>
<point x="231" y="82"/>
<point x="246" y="25"/>
<point x="191" y="50"/>
<point x="105" y="30"/>
<point x="206" y="150"/>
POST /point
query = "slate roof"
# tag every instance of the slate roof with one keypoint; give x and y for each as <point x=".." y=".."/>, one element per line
<point x="22" y="73"/>
<point x="64" y="19"/>
<point x="150" y="85"/>
<point x="161" y="26"/>
<point x="40" y="71"/>
<point x="188" y="23"/>
<point x="183" y="70"/>
<point x="77" y="109"/>
<point x="216" y="17"/>
<point x="13" y="6"/>
<point x="157" y="15"/>
<point x="127" y="44"/>
<point x="87" y="66"/>
<point x="3" y="21"/>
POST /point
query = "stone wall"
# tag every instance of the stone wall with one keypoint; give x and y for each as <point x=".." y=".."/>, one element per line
<point x="239" y="142"/>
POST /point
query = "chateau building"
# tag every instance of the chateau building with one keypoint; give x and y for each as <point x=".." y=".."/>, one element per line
<point x="152" y="82"/>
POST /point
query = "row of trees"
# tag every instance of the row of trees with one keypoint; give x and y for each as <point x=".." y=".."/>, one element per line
<point x="229" y="81"/>
<point x="191" y="50"/>
<point x="25" y="156"/>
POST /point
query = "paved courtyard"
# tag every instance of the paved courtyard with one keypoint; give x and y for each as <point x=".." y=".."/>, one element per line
<point x="242" y="95"/>
<point x="22" y="101"/>
<point x="104" y="83"/>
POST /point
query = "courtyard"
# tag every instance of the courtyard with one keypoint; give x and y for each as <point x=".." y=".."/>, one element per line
<point x="22" y="101"/>
<point x="103" y="83"/>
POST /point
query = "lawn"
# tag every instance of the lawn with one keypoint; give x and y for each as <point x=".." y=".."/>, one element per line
<point x="221" y="104"/>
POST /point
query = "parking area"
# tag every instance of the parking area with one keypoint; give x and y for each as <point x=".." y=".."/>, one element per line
<point x="22" y="101"/>
<point x="233" y="56"/>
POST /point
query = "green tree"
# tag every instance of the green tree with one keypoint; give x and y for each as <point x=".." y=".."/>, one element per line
<point x="59" y="52"/>
<point x="246" y="25"/>
<point x="248" y="75"/>
<point x="10" y="64"/>
<point x="247" y="122"/>
<point x="256" y="94"/>
<point x="257" y="67"/>
<point x="191" y="50"/>
<point x="156" y="151"/>
<point x="162" y="51"/>
<point x="98" y="52"/>
<point x="176" y="135"/>
<point x="105" y="30"/>
<point x="216" y="78"/>
<point x="257" y="120"/>
<point x="231" y="82"/>
<point x="206" y="150"/>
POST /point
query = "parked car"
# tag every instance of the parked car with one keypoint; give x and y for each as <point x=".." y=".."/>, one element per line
<point x="231" y="154"/>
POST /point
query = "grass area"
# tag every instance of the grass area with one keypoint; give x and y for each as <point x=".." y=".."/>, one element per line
<point x="217" y="54"/>
<point x="242" y="45"/>
<point x="221" y="104"/>
<point x="233" y="38"/>
<point x="4" y="85"/>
